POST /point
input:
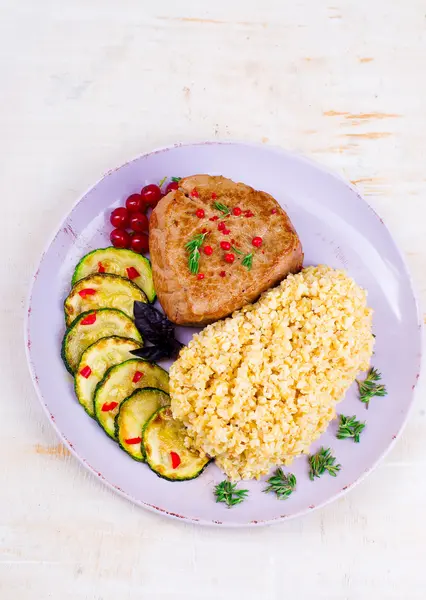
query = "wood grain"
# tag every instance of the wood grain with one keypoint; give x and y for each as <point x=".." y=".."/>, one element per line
<point x="85" y="86"/>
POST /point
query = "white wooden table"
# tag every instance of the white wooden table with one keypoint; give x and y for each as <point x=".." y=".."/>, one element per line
<point x="84" y="86"/>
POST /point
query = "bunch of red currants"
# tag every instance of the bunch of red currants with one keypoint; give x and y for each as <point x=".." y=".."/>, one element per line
<point x="133" y="216"/>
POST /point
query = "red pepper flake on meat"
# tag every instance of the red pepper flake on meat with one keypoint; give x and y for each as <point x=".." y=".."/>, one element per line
<point x="136" y="440"/>
<point x="208" y="250"/>
<point x="132" y="273"/>
<point x="204" y="230"/>
<point x="222" y="273"/>
<point x="109" y="406"/>
<point x="229" y="258"/>
<point x="214" y="218"/>
<point x="257" y="242"/>
<point x="195" y="193"/>
<point x="226" y="231"/>
<point x="89" y="320"/>
<point x="200" y="213"/>
<point x="200" y="276"/>
<point x="86" y="372"/>
<point x="221" y="226"/>
<point x="101" y="268"/>
<point x="225" y="245"/>
<point x="274" y="211"/>
<point x="214" y="196"/>
<point x="137" y="376"/>
<point x="87" y="292"/>
<point x="175" y="459"/>
<point x="236" y="211"/>
<point x="248" y="213"/>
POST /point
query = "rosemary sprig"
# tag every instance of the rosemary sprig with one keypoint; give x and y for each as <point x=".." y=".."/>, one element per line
<point x="248" y="261"/>
<point x="227" y="492"/>
<point x="160" y="183"/>
<point x="236" y="250"/>
<point x="369" y="388"/>
<point x="321" y="462"/>
<point x="349" y="427"/>
<point x="176" y="179"/>
<point x="280" y="483"/>
<point x="223" y="209"/>
<point x="193" y="247"/>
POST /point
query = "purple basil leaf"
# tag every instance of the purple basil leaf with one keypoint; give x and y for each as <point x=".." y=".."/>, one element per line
<point x="151" y="323"/>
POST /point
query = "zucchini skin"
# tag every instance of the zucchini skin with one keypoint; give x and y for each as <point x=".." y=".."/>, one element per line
<point x="149" y="389"/>
<point x="80" y="317"/>
<point x="76" y="277"/>
<point x="105" y="276"/>
<point x="161" y="475"/>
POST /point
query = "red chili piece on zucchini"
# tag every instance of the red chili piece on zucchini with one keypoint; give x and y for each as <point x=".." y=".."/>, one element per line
<point x="175" y="459"/>
<point x="86" y="371"/>
<point x="109" y="406"/>
<point x="87" y="292"/>
<point x="132" y="273"/>
<point x="136" y="440"/>
<point x="89" y="320"/>
<point x="137" y="376"/>
<point x="101" y="268"/>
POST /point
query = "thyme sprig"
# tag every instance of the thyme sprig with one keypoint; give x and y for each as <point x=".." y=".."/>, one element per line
<point x="227" y="492"/>
<point x="283" y="485"/>
<point x="349" y="427"/>
<point x="321" y="462"/>
<point x="369" y="387"/>
<point x="248" y="261"/>
<point x="222" y="208"/>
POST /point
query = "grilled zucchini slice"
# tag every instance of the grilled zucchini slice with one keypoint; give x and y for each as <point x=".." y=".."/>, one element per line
<point x="117" y="261"/>
<point x="134" y="413"/>
<point x="89" y="327"/>
<point x="119" y="382"/>
<point x="94" y="363"/>
<point x="102" y="291"/>
<point x="165" y="451"/>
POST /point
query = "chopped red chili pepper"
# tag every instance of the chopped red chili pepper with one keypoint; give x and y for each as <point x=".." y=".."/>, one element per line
<point x="132" y="273"/>
<point x="214" y="196"/>
<point x="109" y="406"/>
<point x="274" y="211"/>
<point x="175" y="459"/>
<point x="214" y="218"/>
<point x="257" y="242"/>
<point x="87" y="292"/>
<point x="200" y="213"/>
<point x="225" y="245"/>
<point x="136" y="440"/>
<point x="86" y="372"/>
<point x="137" y="376"/>
<point x="200" y="276"/>
<point x="89" y="320"/>
<point x="195" y="193"/>
<point x="101" y="268"/>
<point x="208" y="250"/>
<point x="237" y="211"/>
<point x="222" y="273"/>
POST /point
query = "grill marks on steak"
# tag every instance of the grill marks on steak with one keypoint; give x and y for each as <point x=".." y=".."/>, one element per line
<point x="189" y="301"/>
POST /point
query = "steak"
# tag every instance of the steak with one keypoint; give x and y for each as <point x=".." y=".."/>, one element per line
<point x="227" y="212"/>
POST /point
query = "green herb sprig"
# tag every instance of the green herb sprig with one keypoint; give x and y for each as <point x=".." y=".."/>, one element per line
<point x="236" y="250"/>
<point x="222" y="208"/>
<point x="369" y="387"/>
<point x="321" y="462"/>
<point x="227" y="492"/>
<point x="248" y="261"/>
<point x="176" y="179"/>
<point x="349" y="427"/>
<point x="283" y="485"/>
<point x="193" y="247"/>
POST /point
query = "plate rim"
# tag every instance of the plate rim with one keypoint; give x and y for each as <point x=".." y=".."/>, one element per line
<point x="156" y="509"/>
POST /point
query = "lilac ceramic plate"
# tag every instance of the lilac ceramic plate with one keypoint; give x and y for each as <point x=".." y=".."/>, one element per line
<point x="336" y="227"/>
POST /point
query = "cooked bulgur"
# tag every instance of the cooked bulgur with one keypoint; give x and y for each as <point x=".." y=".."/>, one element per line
<point x="256" y="389"/>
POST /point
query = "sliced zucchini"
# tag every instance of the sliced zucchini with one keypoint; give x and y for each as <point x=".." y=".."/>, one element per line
<point x="117" y="261"/>
<point x="94" y="363"/>
<point x="134" y="413"/>
<point x="89" y="327"/>
<point x="119" y="382"/>
<point x="102" y="291"/>
<point x="165" y="452"/>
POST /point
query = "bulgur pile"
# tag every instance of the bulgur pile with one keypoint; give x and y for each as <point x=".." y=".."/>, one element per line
<point x="256" y="389"/>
